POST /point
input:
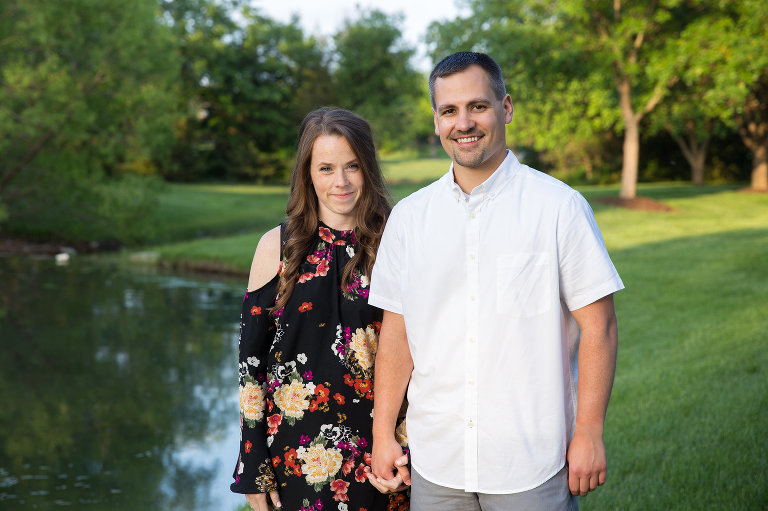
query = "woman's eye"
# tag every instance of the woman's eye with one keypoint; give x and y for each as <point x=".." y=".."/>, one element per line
<point x="353" y="166"/>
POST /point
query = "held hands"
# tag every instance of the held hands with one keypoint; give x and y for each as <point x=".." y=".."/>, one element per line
<point x="586" y="460"/>
<point x="258" y="501"/>
<point x="390" y="473"/>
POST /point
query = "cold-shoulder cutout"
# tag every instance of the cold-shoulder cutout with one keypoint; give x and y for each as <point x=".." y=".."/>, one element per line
<point x="266" y="260"/>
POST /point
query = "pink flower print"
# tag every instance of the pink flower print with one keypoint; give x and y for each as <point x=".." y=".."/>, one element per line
<point x="322" y="268"/>
<point x="360" y="474"/>
<point x="348" y="466"/>
<point x="305" y="277"/>
<point x="308" y="375"/>
<point x="339" y="486"/>
<point x="274" y="421"/>
<point x="313" y="259"/>
<point x="326" y="234"/>
<point x="304" y="439"/>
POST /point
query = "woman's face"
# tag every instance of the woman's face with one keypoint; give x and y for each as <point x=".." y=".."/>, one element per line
<point x="338" y="180"/>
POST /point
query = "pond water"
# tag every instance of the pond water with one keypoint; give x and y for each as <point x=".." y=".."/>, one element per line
<point x="118" y="388"/>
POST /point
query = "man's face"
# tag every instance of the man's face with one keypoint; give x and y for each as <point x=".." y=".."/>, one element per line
<point x="470" y="120"/>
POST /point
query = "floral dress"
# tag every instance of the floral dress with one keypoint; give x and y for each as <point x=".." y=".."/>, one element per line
<point x="306" y="388"/>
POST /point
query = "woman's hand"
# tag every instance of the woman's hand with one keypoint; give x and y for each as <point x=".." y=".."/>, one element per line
<point x="395" y="484"/>
<point x="258" y="501"/>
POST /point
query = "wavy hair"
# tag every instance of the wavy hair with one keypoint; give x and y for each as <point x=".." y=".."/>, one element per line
<point x="302" y="214"/>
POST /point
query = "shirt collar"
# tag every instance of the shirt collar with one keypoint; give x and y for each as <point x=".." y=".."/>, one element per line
<point x="491" y="186"/>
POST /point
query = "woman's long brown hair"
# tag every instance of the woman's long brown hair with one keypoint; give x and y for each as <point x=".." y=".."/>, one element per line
<point x="372" y="208"/>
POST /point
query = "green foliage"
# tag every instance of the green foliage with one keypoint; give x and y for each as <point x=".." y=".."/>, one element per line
<point x="374" y="77"/>
<point x="86" y="96"/>
<point x="240" y="92"/>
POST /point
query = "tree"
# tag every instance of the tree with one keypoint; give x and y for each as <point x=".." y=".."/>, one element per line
<point x="583" y="64"/>
<point x="722" y="60"/>
<point x="247" y="83"/>
<point x="374" y="76"/>
<point x="86" y="105"/>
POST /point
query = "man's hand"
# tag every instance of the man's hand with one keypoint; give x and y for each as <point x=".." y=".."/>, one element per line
<point x="586" y="460"/>
<point x="258" y="501"/>
<point x="388" y="462"/>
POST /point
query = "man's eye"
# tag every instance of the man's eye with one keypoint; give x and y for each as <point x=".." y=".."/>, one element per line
<point x="480" y="107"/>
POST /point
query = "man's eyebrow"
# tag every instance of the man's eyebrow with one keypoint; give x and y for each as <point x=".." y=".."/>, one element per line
<point x="470" y="102"/>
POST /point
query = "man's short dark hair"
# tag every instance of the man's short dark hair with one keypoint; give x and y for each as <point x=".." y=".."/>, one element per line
<point x="460" y="61"/>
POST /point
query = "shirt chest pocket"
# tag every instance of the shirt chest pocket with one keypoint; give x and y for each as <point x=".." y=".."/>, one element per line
<point x="524" y="284"/>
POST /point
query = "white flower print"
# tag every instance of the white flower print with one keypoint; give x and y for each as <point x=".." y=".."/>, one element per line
<point x="363" y="281"/>
<point x="343" y="506"/>
<point x="253" y="361"/>
<point x="350" y="251"/>
<point x="301" y="357"/>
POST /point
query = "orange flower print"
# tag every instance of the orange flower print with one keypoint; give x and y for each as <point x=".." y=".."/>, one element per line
<point x="306" y="306"/>
<point x="363" y="384"/>
<point x="255" y="311"/>
<point x="367" y="458"/>
<point x="290" y="458"/>
<point x="339" y="398"/>
<point x="348" y="379"/>
<point x="326" y="234"/>
<point x="305" y="277"/>
<point x="275" y="461"/>
<point x="322" y="393"/>
<point x="274" y="421"/>
<point x="339" y="486"/>
<point x="248" y="446"/>
<point x="376" y="326"/>
<point x="313" y="259"/>
<point x="322" y="268"/>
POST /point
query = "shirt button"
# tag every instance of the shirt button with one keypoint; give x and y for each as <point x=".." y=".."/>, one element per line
<point x="470" y="424"/>
<point x="472" y="340"/>
<point x="471" y="382"/>
<point x="472" y="256"/>
<point x="473" y="216"/>
<point x="472" y="298"/>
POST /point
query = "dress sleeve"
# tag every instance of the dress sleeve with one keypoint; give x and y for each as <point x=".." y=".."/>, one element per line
<point x="253" y="473"/>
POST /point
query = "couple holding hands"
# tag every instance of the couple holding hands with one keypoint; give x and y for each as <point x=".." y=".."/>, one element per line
<point x="480" y="296"/>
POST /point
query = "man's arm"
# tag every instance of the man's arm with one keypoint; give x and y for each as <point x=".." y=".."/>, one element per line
<point x="597" y="365"/>
<point x="392" y="372"/>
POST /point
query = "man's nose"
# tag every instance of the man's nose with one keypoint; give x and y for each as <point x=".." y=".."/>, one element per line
<point x="464" y="121"/>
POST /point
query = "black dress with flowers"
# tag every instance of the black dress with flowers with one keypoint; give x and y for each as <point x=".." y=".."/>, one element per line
<point x="306" y="388"/>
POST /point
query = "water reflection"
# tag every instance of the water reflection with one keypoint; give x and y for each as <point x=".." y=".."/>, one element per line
<point x="117" y="389"/>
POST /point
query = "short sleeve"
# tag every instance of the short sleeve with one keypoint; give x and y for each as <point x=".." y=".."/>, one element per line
<point x="387" y="270"/>
<point x="253" y="473"/>
<point x="586" y="271"/>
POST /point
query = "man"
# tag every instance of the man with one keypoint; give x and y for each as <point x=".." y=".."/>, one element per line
<point x="495" y="282"/>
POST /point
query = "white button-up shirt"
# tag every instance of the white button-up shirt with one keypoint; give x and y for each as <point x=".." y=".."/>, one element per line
<point x="486" y="283"/>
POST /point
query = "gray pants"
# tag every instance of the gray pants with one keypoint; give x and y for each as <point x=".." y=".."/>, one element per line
<point x="553" y="495"/>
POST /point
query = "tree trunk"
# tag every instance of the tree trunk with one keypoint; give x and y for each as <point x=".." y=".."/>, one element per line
<point x="695" y="153"/>
<point x="760" y="168"/>
<point x="631" y="142"/>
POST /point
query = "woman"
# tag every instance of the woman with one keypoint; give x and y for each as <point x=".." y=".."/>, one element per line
<point x="307" y="334"/>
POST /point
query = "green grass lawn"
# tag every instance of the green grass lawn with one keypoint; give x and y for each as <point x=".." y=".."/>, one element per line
<point x="687" y="427"/>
